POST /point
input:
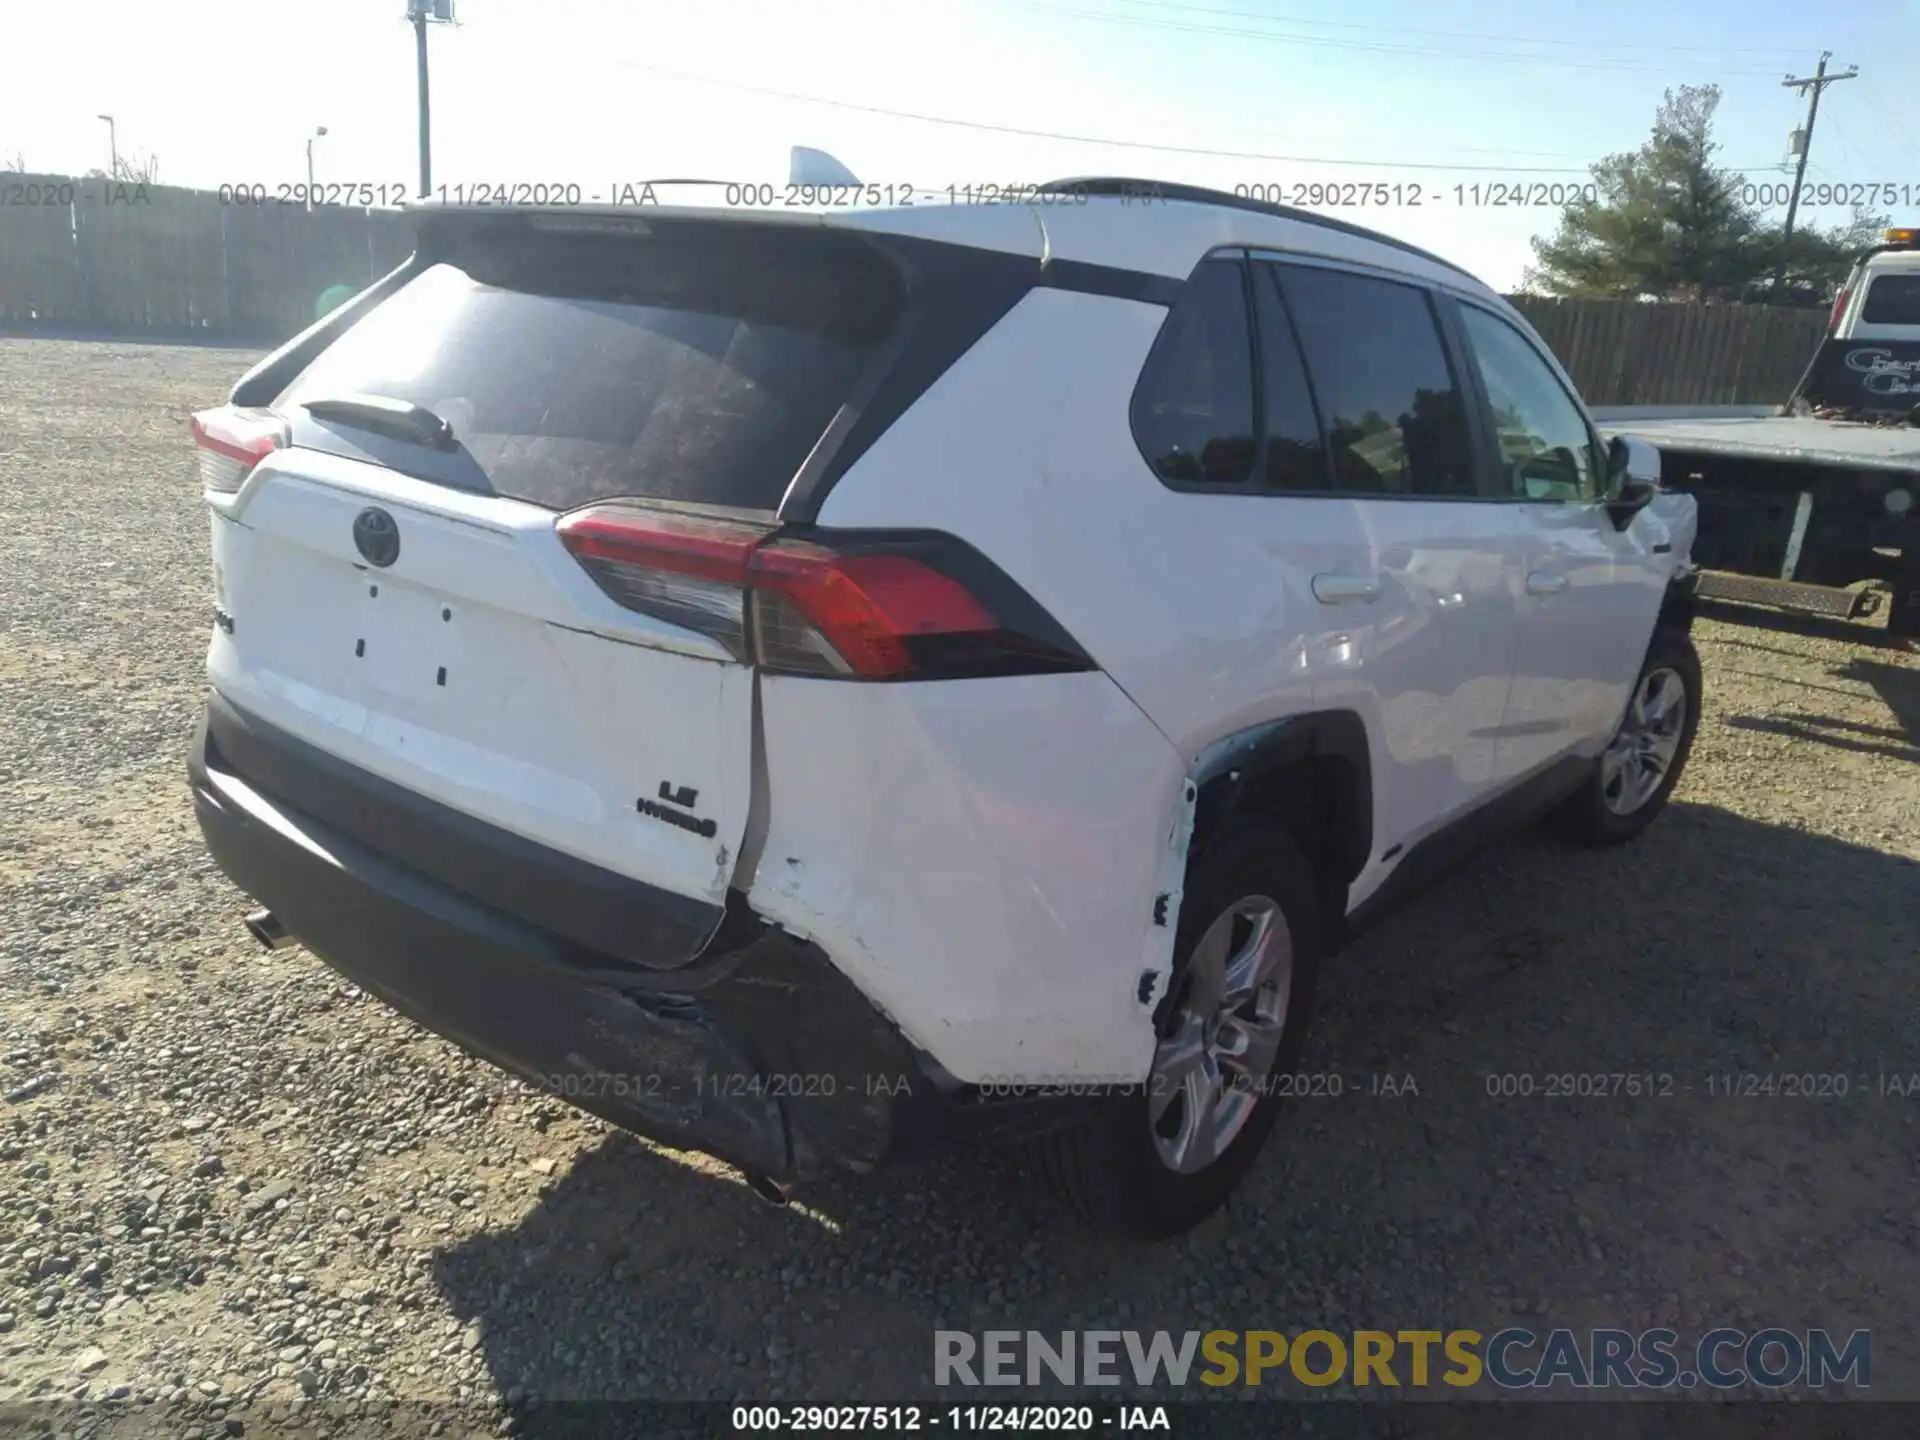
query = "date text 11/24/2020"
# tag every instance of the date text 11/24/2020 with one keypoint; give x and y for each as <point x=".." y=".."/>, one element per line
<point x="728" y="194"/>
<point x="1301" y="194"/>
<point x="1837" y="1085"/>
<point x="587" y="1082"/>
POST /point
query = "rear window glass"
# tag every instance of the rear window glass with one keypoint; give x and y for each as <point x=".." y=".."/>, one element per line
<point x="699" y="363"/>
<point x="1892" y="300"/>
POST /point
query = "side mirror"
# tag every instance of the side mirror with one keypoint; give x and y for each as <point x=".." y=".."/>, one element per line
<point x="1631" y="458"/>
<point x="1633" y="478"/>
<point x="1632" y="497"/>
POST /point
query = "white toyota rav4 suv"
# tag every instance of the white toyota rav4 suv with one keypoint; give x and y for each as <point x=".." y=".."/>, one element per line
<point x="804" y="687"/>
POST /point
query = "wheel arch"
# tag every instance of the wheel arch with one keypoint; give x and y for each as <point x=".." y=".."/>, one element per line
<point x="1678" y="605"/>
<point x="1313" y="773"/>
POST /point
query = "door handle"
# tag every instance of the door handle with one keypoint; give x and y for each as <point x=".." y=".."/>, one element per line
<point x="1542" y="582"/>
<point x="1333" y="589"/>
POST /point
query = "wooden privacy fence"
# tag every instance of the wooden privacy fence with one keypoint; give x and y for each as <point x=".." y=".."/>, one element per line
<point x="94" y="255"/>
<point x="90" y="255"/>
<point x="1625" y="352"/>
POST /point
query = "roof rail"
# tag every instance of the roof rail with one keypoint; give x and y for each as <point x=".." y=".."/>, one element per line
<point x="1123" y="187"/>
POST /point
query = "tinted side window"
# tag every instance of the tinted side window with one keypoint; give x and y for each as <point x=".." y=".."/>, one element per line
<point x="1296" y="456"/>
<point x="1395" y="419"/>
<point x="1193" y="407"/>
<point x="1892" y="300"/>
<point x="1546" y="450"/>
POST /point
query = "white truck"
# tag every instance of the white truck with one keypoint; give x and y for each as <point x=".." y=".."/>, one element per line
<point x="1810" y="506"/>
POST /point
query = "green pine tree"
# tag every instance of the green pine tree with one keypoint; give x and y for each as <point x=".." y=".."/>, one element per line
<point x="1669" y="223"/>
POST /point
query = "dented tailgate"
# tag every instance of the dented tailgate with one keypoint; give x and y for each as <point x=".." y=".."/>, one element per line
<point x="483" y="669"/>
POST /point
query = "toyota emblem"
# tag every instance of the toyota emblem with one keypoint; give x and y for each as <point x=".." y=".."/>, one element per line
<point x="376" y="536"/>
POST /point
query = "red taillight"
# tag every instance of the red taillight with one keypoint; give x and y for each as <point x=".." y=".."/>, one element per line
<point x="860" y="608"/>
<point x="1839" y="308"/>
<point x="863" y="611"/>
<point x="685" y="568"/>
<point x="231" y="442"/>
<point x="687" y="544"/>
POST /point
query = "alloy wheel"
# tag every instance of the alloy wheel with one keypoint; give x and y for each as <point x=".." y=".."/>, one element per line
<point x="1643" y="749"/>
<point x="1210" y="1070"/>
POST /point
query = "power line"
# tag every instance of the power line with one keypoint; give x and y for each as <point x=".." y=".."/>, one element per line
<point x="1582" y="44"/>
<point x="1094" y="139"/>
<point x="1901" y="135"/>
<point x="1373" y="47"/>
<point x="982" y="125"/>
<point x="1846" y="144"/>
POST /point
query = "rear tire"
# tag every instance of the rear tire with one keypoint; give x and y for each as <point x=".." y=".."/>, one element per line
<point x="1126" y="1170"/>
<point x="1646" y="754"/>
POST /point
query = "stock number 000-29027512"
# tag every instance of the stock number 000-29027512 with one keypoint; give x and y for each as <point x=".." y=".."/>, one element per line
<point x="749" y="1419"/>
<point x="1383" y="194"/>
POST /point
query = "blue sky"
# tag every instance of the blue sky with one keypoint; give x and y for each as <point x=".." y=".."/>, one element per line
<point x="1437" y="96"/>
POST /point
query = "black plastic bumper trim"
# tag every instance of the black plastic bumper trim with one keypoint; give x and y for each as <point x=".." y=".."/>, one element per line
<point x="769" y="1057"/>
<point x="627" y="919"/>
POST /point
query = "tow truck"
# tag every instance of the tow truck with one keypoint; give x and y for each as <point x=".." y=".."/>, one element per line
<point x="1810" y="506"/>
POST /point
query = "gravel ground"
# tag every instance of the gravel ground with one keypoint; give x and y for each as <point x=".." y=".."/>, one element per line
<point x="227" y="1177"/>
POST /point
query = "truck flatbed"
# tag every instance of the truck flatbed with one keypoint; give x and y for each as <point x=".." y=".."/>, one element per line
<point x="1798" y="508"/>
<point x="1791" y="438"/>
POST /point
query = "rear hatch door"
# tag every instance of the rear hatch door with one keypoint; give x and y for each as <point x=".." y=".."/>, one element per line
<point x="397" y="594"/>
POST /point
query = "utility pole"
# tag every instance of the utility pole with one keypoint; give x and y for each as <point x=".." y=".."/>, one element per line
<point x="419" y="12"/>
<point x="310" y="139"/>
<point x="1810" y="86"/>
<point x="419" y="8"/>
<point x="113" y="148"/>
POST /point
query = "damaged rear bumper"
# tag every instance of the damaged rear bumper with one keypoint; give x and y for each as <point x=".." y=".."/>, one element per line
<point x="758" y="1051"/>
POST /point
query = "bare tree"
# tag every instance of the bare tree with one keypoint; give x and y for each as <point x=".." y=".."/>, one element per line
<point x="141" y="169"/>
<point x="131" y="170"/>
<point x="14" y="161"/>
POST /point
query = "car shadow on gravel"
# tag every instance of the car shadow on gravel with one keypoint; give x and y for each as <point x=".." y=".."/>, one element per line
<point x="1790" y="622"/>
<point x="1831" y="730"/>
<point x="1714" y="946"/>
<point x="1897" y="685"/>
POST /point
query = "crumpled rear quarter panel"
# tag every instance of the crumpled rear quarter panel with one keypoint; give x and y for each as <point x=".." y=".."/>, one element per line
<point x="981" y="857"/>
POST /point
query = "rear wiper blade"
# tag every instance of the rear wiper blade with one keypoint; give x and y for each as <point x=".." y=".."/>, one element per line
<point x="401" y="419"/>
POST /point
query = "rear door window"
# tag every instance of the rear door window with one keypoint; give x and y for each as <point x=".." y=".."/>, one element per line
<point x="1892" y="300"/>
<point x="1296" y="454"/>
<point x="1395" y="419"/>
<point x="694" y="363"/>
